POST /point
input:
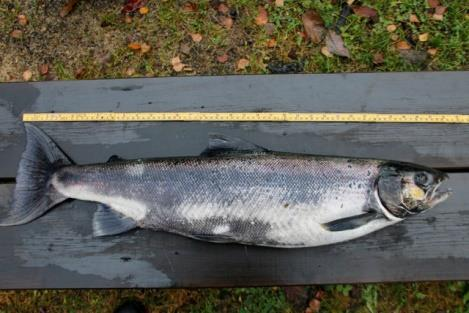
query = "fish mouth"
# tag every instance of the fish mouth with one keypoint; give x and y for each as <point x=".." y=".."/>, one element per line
<point x="435" y="195"/>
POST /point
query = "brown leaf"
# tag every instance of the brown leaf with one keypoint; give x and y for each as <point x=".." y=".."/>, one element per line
<point x="433" y="3"/>
<point x="143" y="10"/>
<point x="440" y="10"/>
<point x="314" y="305"/>
<point x="225" y="21"/>
<point x="223" y="8"/>
<point x="297" y="296"/>
<point x="262" y="16"/>
<point x="314" y="26"/>
<point x="437" y="17"/>
<point x="145" y="48"/>
<point x="271" y="43"/>
<point x="414" y="19"/>
<point x="131" y="6"/>
<point x="22" y="20"/>
<point x="196" y="37"/>
<point x="413" y="56"/>
<point x="378" y="58"/>
<point x="178" y="66"/>
<point x="279" y="3"/>
<point x="242" y="64"/>
<point x="43" y="69"/>
<point x="80" y="72"/>
<point x="27" y="75"/>
<point x="17" y="34"/>
<point x="325" y="51"/>
<point x="403" y="45"/>
<point x="391" y="28"/>
<point x="365" y="11"/>
<point x="222" y="58"/>
<point x="128" y="19"/>
<point x="130" y="71"/>
<point x="189" y="7"/>
<point x="432" y="51"/>
<point x="68" y="7"/>
<point x="423" y="37"/>
<point x="335" y="44"/>
<point x="134" y="46"/>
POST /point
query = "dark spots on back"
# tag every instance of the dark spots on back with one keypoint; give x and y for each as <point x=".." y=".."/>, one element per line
<point x="359" y="186"/>
<point x="286" y="205"/>
<point x="368" y="173"/>
<point x="349" y="166"/>
<point x="350" y="185"/>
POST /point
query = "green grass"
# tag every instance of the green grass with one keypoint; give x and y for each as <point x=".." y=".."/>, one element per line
<point x="94" y="40"/>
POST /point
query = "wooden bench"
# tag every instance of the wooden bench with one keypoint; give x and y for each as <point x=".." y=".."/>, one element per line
<point x="58" y="251"/>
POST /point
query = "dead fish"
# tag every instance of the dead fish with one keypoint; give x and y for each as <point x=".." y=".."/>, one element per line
<point x="234" y="192"/>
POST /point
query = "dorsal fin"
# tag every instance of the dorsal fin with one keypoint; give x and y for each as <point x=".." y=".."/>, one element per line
<point x="114" y="158"/>
<point x="221" y="144"/>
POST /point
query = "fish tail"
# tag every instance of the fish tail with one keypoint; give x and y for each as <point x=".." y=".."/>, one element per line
<point x="34" y="193"/>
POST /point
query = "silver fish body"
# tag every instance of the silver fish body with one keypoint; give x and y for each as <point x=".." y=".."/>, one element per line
<point x="257" y="198"/>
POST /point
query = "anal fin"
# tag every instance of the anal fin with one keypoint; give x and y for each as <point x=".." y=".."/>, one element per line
<point x="352" y="222"/>
<point x="107" y="221"/>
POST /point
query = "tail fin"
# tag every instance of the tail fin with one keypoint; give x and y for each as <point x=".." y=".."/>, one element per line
<point x="34" y="193"/>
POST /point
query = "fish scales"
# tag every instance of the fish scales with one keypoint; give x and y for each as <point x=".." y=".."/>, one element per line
<point x="264" y="198"/>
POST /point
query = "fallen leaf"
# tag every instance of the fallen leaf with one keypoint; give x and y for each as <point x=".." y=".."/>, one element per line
<point x="437" y="17"/>
<point x="128" y="19"/>
<point x="223" y="8"/>
<point x="314" y="26"/>
<point x="433" y="3"/>
<point x="335" y="44"/>
<point x="378" y="58"/>
<point x="242" y="64"/>
<point x="440" y="10"/>
<point x="314" y="305"/>
<point x="423" y="37"/>
<point x="189" y="7"/>
<point x="365" y="11"/>
<point x="67" y="8"/>
<point x="226" y="21"/>
<point x="325" y="51"/>
<point x="134" y="46"/>
<point x="178" y="66"/>
<point x="22" y="20"/>
<point x="350" y="2"/>
<point x="196" y="37"/>
<point x="391" y="28"/>
<point x="262" y="16"/>
<point x="271" y="43"/>
<point x="27" y="75"/>
<point x="222" y="58"/>
<point x="145" y="48"/>
<point x="80" y="72"/>
<point x="432" y="51"/>
<point x="143" y="10"/>
<point x="130" y="71"/>
<point x="414" y="19"/>
<point x="403" y="45"/>
<point x="394" y="37"/>
<point x="131" y="6"/>
<point x="17" y="34"/>
<point x="279" y="3"/>
<point x="413" y="56"/>
<point x="43" y="69"/>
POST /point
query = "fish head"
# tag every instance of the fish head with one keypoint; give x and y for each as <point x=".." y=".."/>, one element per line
<point x="407" y="189"/>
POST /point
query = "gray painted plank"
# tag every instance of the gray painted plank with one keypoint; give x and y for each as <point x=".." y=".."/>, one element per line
<point x="433" y="145"/>
<point x="57" y="251"/>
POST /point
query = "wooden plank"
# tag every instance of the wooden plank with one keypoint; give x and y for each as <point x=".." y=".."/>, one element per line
<point x="57" y="251"/>
<point x="433" y="145"/>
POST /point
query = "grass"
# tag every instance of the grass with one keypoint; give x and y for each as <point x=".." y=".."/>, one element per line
<point x="92" y="42"/>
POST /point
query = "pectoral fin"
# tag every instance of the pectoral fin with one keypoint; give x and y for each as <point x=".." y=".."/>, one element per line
<point x="107" y="221"/>
<point x="352" y="222"/>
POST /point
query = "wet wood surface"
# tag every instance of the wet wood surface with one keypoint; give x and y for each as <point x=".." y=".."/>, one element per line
<point x="58" y="251"/>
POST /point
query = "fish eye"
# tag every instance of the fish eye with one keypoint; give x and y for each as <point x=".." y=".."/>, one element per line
<point x="423" y="179"/>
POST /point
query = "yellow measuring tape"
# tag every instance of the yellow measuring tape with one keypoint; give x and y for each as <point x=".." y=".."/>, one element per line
<point x="245" y="117"/>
